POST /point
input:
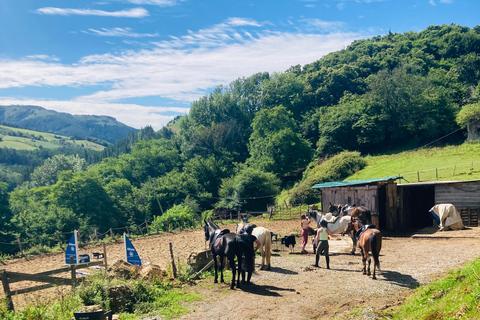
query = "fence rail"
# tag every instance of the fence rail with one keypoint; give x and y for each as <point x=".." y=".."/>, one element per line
<point x="9" y="277"/>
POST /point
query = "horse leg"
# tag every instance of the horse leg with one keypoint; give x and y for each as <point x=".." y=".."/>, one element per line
<point x="262" y="253"/>
<point x="369" y="262"/>
<point x="231" y="262"/>
<point x="221" y="268"/>
<point x="215" y="264"/>
<point x="354" y="240"/>
<point x="364" y="261"/>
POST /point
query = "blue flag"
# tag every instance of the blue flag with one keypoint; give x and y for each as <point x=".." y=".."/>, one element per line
<point x="72" y="249"/>
<point x="130" y="253"/>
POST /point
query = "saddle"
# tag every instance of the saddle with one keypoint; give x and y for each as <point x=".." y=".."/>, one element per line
<point x="217" y="238"/>
<point x="363" y="229"/>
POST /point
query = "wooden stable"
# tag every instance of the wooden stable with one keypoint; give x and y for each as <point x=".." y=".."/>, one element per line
<point x="402" y="207"/>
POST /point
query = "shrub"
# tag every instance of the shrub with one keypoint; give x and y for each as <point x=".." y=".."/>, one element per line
<point x="336" y="168"/>
<point x="178" y="217"/>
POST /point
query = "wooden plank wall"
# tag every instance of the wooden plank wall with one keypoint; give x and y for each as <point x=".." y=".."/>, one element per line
<point x="359" y="195"/>
<point x="461" y="195"/>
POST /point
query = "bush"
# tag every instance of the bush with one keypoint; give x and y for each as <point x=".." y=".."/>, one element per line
<point x="336" y="168"/>
<point x="178" y="217"/>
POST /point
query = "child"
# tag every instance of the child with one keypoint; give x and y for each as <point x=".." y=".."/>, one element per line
<point x="252" y="245"/>
<point x="321" y="239"/>
<point x="304" y="224"/>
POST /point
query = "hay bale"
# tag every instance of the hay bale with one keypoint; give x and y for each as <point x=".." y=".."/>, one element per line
<point x="198" y="260"/>
<point x="152" y="271"/>
<point x="91" y="308"/>
<point x="123" y="269"/>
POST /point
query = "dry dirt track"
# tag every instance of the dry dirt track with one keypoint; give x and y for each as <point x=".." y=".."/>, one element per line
<point x="293" y="289"/>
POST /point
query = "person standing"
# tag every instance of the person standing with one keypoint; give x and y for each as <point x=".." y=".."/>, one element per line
<point x="321" y="241"/>
<point x="252" y="245"/>
<point x="305" y="227"/>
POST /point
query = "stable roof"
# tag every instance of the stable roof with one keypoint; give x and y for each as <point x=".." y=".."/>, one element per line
<point x="353" y="182"/>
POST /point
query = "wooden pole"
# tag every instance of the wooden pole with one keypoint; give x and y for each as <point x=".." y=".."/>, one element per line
<point x="20" y="246"/>
<point x="59" y="242"/>
<point x="174" y="268"/>
<point x="6" y="290"/>
<point x="111" y="234"/>
<point x="454" y="168"/>
<point x="96" y="235"/>
<point x="105" y="256"/>
<point x="146" y="227"/>
<point x="436" y="172"/>
<point x="203" y="269"/>
<point x="418" y="176"/>
<point x="72" y="272"/>
<point x="141" y="231"/>
<point x="128" y="231"/>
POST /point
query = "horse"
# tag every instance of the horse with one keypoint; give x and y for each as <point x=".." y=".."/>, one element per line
<point x="336" y="226"/>
<point x="361" y="213"/>
<point x="224" y="243"/>
<point x="369" y="239"/>
<point x="265" y="237"/>
<point x="335" y="209"/>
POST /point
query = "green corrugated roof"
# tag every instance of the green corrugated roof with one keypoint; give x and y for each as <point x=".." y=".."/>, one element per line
<point x="352" y="183"/>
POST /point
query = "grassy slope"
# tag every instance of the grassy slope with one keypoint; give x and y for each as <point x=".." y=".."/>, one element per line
<point x="52" y="141"/>
<point x="455" y="296"/>
<point x="451" y="163"/>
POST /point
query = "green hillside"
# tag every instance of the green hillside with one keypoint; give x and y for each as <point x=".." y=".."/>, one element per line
<point x="451" y="163"/>
<point x="23" y="139"/>
<point x="40" y="119"/>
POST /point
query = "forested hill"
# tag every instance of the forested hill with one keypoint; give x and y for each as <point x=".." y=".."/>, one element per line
<point x="37" y="118"/>
<point x="242" y="144"/>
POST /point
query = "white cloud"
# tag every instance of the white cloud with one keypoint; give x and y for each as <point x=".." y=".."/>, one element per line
<point x="432" y="2"/>
<point x="119" y="32"/>
<point x="182" y="69"/>
<point x="324" y="25"/>
<point x="131" y="13"/>
<point x="42" y="57"/>
<point x="446" y="1"/>
<point x="341" y="6"/>
<point x="161" y="3"/>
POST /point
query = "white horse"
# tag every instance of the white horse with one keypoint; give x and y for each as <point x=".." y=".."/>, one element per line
<point x="336" y="225"/>
<point x="265" y="237"/>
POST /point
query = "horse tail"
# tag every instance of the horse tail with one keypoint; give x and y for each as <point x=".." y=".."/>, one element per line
<point x="373" y="246"/>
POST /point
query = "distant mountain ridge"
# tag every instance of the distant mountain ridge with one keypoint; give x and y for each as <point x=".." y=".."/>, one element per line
<point x="40" y="119"/>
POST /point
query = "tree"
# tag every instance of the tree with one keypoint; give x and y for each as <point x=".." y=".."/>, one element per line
<point x="47" y="173"/>
<point x="251" y="189"/>
<point x="275" y="146"/>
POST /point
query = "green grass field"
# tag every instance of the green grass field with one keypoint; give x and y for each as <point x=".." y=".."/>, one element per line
<point x="32" y="140"/>
<point x="452" y="163"/>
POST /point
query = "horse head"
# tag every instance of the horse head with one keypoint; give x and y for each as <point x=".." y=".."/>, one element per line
<point x="210" y="228"/>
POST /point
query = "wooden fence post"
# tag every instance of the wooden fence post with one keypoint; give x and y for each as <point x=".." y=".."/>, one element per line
<point x="111" y="234"/>
<point x="6" y="290"/>
<point x="436" y="172"/>
<point x="105" y="256"/>
<point x="418" y="176"/>
<point x="141" y="231"/>
<point x="73" y="273"/>
<point x="174" y="268"/>
<point x="96" y="235"/>
<point x="20" y="245"/>
<point x="59" y="241"/>
<point x="128" y="231"/>
<point x="146" y="227"/>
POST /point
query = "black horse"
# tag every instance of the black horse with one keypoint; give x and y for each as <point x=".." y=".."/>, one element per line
<point x="224" y="243"/>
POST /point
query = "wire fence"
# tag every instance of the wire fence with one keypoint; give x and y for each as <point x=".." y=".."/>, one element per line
<point x="454" y="172"/>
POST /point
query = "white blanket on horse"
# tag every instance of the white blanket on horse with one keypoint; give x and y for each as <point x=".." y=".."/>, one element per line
<point x="449" y="216"/>
<point x="329" y="217"/>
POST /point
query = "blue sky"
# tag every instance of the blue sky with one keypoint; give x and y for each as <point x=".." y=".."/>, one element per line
<point x="145" y="61"/>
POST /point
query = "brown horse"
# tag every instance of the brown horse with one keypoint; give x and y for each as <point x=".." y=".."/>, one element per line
<point x="361" y="213"/>
<point x="369" y="239"/>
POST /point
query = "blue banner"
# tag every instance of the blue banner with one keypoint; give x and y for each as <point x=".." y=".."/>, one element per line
<point x="130" y="253"/>
<point x="72" y="249"/>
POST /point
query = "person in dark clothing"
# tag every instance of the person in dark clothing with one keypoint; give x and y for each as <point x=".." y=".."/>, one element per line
<point x="251" y="245"/>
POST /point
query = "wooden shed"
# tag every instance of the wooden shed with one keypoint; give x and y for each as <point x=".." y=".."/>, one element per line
<point x="402" y="207"/>
<point x="378" y="195"/>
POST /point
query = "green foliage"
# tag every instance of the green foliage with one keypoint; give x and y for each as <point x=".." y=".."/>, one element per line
<point x="251" y="189"/>
<point x="178" y="217"/>
<point x="274" y="144"/>
<point x="468" y="112"/>
<point x="455" y="296"/>
<point x="336" y="168"/>
<point x="47" y="173"/>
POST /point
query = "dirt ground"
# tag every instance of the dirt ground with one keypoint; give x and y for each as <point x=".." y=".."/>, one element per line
<point x="293" y="288"/>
